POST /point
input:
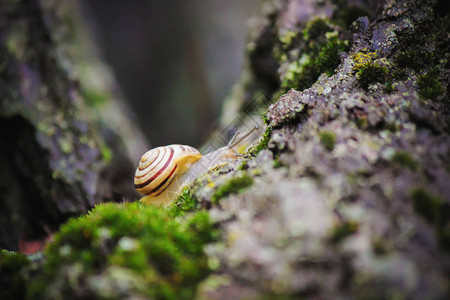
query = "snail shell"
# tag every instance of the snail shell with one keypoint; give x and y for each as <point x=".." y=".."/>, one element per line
<point x="164" y="170"/>
<point x="160" y="166"/>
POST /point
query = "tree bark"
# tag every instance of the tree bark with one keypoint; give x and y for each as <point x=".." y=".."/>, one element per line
<point x="55" y="142"/>
<point x="351" y="199"/>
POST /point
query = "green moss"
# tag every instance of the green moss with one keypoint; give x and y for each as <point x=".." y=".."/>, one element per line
<point x="343" y="230"/>
<point x="277" y="163"/>
<point x="92" y="97"/>
<point x="426" y="204"/>
<point x="243" y="165"/>
<point x="380" y="246"/>
<point x="287" y="37"/>
<point x="429" y="87"/>
<point x="106" y="153"/>
<point x="414" y="59"/>
<point x="388" y="88"/>
<point x="319" y="55"/>
<point x="234" y="185"/>
<point x="371" y="73"/>
<point x="12" y="277"/>
<point x="328" y="139"/>
<point x="126" y="250"/>
<point x="316" y="28"/>
<point x="186" y="202"/>
<point x="262" y="143"/>
<point x="265" y="118"/>
<point x="403" y="158"/>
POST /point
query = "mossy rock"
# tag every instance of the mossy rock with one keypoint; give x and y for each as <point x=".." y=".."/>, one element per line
<point x="126" y="250"/>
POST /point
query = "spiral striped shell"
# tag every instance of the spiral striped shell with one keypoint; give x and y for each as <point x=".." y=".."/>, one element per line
<point x="158" y="168"/>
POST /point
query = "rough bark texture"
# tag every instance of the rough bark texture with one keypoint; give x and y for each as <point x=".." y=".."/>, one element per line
<point x="351" y="199"/>
<point x="53" y="145"/>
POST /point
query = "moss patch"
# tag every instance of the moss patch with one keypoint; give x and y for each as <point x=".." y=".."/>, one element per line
<point x="186" y="202"/>
<point x="93" y="98"/>
<point x="234" y="185"/>
<point x="371" y="73"/>
<point x="106" y="153"/>
<point x="429" y="87"/>
<point x="243" y="165"/>
<point x="126" y="250"/>
<point x="343" y="230"/>
<point x="262" y="143"/>
<point x="414" y="59"/>
<point x="403" y="158"/>
<point x="381" y="246"/>
<point x="12" y="279"/>
<point x="320" y="54"/>
<point x="328" y="139"/>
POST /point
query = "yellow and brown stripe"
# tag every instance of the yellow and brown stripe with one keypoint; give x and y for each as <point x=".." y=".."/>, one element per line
<point x="158" y="168"/>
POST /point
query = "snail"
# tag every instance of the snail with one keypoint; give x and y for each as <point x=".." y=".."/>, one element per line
<point x="163" y="171"/>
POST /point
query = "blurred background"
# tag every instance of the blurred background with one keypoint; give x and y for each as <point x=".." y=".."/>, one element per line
<point x="175" y="61"/>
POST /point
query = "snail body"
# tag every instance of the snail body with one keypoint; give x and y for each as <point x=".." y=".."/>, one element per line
<point x="163" y="171"/>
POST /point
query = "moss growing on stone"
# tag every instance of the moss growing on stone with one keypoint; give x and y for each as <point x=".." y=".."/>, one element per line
<point x="429" y="87"/>
<point x="328" y="139"/>
<point x="342" y="231"/>
<point x="126" y="251"/>
<point x="371" y="73"/>
<point x="12" y="279"/>
<point x="403" y="158"/>
<point x="234" y="185"/>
